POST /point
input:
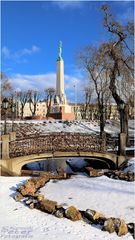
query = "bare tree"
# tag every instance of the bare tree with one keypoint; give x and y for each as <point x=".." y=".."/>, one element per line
<point x="111" y="64"/>
<point x="33" y="98"/>
<point x="85" y="108"/>
<point x="94" y="64"/>
<point x="119" y="53"/>
<point x="49" y="94"/>
<point x="23" y="98"/>
<point x="6" y="85"/>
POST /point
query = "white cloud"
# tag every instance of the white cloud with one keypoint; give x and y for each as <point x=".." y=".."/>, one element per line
<point x="26" y="51"/>
<point x="70" y="81"/>
<point x="73" y="88"/>
<point x="20" y="53"/>
<point x="68" y="4"/>
<point x="40" y="82"/>
<point x="6" y="52"/>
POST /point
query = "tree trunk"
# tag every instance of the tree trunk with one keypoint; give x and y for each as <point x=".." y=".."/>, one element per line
<point x="102" y="123"/>
<point x="126" y="117"/>
<point x="48" y="107"/>
<point x="48" y="111"/>
<point x="102" y="118"/>
<point x="118" y="98"/>
<point x="34" y="112"/>
<point x="119" y="101"/>
<point x="22" y="112"/>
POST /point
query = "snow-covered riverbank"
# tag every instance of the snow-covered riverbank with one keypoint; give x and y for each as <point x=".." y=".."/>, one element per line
<point x="113" y="198"/>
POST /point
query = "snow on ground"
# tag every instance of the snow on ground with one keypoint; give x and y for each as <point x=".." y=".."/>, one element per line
<point x="58" y="126"/>
<point x="130" y="165"/>
<point x="79" y="126"/>
<point x="112" y="197"/>
<point x="43" y="127"/>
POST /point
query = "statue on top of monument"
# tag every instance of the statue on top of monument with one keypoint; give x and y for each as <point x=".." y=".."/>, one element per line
<point x="60" y="50"/>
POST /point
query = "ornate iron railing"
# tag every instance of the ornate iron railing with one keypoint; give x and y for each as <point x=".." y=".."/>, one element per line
<point x="62" y="142"/>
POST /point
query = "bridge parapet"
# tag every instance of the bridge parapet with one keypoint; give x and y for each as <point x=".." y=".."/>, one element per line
<point x="74" y="142"/>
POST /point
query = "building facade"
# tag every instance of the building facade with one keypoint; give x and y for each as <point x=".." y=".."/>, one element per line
<point x="41" y="110"/>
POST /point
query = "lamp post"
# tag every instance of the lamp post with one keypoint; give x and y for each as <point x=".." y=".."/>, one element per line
<point x="5" y="107"/>
<point x="13" y="111"/>
<point x="75" y="92"/>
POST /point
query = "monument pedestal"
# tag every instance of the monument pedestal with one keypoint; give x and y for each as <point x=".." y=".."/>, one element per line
<point x="62" y="112"/>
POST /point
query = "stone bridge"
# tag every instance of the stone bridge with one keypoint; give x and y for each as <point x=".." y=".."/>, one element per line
<point x="16" y="153"/>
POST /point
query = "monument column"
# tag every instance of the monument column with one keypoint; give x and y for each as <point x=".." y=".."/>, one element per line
<point x="60" y="77"/>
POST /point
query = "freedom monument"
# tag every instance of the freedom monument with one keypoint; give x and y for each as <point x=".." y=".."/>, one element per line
<point x="61" y="109"/>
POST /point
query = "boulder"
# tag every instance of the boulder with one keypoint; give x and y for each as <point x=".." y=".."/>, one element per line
<point x="131" y="229"/>
<point x="60" y="212"/>
<point x="31" y="200"/>
<point x="93" y="172"/>
<point x="48" y="206"/>
<point x="95" y="217"/>
<point x="61" y="172"/>
<point x="117" y="225"/>
<point x="31" y="206"/>
<point x="27" y="189"/>
<point x="121" y="175"/>
<point x="126" y="176"/>
<point x="109" y="225"/>
<point x="116" y="222"/>
<point x="116" y="172"/>
<point x="28" y="201"/>
<point x="39" y="181"/>
<point x="90" y="213"/>
<point x="18" y="197"/>
<point x="110" y="174"/>
<point x="59" y="206"/>
<point x="40" y="197"/>
<point x="98" y="216"/>
<point x="123" y="228"/>
<point x="32" y="185"/>
<point x="73" y="214"/>
<point x="84" y="216"/>
<point x="131" y="176"/>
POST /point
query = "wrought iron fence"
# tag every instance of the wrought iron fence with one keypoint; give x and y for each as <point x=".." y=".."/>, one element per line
<point x="62" y="142"/>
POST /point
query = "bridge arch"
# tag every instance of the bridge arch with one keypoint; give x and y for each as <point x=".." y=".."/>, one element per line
<point x="101" y="163"/>
<point x="93" y="162"/>
<point x="19" y="162"/>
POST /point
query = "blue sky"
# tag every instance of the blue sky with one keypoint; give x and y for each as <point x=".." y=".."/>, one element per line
<point x="31" y="31"/>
